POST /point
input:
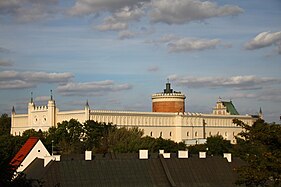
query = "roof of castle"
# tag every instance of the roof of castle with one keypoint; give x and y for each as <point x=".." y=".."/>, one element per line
<point x="128" y="170"/>
<point x="24" y="151"/>
<point x="230" y="107"/>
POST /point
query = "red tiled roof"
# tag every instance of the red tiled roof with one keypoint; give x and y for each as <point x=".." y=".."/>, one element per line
<point x="23" y="152"/>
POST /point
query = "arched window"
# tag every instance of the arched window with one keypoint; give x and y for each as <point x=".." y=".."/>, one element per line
<point x="210" y="133"/>
<point x="160" y="134"/>
<point x="196" y="134"/>
<point x="225" y="133"/>
<point x="187" y="133"/>
<point x="170" y="133"/>
<point x="151" y="133"/>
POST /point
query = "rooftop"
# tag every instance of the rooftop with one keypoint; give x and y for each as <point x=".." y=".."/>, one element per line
<point x="23" y="152"/>
<point x="128" y="170"/>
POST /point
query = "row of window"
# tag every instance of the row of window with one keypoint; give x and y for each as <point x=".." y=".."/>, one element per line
<point x="195" y="134"/>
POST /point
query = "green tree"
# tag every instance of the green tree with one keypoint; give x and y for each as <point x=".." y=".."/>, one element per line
<point x="67" y="137"/>
<point x="217" y="145"/>
<point x="260" y="146"/>
<point x="5" y="124"/>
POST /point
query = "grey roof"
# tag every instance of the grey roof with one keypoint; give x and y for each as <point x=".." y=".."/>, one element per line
<point x="128" y="170"/>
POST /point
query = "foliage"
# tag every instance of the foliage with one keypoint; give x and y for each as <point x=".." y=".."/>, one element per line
<point x="215" y="145"/>
<point x="5" y="124"/>
<point x="260" y="146"/>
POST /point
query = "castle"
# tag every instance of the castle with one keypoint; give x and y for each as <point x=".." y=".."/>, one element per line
<point x="168" y="118"/>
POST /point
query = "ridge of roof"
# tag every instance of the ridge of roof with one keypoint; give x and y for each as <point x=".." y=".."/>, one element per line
<point x="23" y="152"/>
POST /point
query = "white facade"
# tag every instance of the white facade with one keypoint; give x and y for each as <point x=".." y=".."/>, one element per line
<point x="191" y="128"/>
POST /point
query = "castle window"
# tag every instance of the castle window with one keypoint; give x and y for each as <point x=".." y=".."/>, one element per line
<point x="187" y="133"/>
<point x="218" y="133"/>
<point x="170" y="133"/>
<point x="225" y="133"/>
<point x="210" y="133"/>
<point x="196" y="134"/>
<point x="151" y="133"/>
<point x="160" y="134"/>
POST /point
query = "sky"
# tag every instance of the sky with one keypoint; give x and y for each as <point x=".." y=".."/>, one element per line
<point x="117" y="53"/>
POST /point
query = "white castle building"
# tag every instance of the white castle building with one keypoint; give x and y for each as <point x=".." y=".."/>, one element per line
<point x="168" y="118"/>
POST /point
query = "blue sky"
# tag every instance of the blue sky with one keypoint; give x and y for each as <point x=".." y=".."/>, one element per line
<point x="116" y="53"/>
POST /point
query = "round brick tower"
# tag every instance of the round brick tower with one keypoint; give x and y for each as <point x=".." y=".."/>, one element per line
<point x="168" y="101"/>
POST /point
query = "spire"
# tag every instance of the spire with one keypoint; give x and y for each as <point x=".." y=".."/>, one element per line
<point x="31" y="97"/>
<point x="13" y="110"/>
<point x="87" y="103"/>
<point x="260" y="111"/>
<point x="51" y="94"/>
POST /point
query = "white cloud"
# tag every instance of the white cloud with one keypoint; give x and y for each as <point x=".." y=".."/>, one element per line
<point x="91" y="88"/>
<point x="126" y="34"/>
<point x="265" y="39"/>
<point x="112" y="25"/>
<point x="28" y="10"/>
<point x="153" y="68"/>
<point x="249" y="82"/>
<point x="4" y="50"/>
<point x="85" y="7"/>
<point x="16" y="80"/>
<point x="190" y="44"/>
<point x="5" y="63"/>
<point x="184" y="11"/>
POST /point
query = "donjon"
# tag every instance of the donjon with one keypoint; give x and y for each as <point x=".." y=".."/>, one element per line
<point x="168" y="101"/>
<point x="168" y="119"/>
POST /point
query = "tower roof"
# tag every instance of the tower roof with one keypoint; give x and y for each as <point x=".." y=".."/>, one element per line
<point x="230" y="107"/>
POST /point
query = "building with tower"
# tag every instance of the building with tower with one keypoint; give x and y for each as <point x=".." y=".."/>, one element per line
<point x="168" y="119"/>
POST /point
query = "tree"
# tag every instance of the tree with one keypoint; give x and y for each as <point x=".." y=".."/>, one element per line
<point x="67" y="136"/>
<point x="260" y="146"/>
<point x="217" y="145"/>
<point x="5" y="124"/>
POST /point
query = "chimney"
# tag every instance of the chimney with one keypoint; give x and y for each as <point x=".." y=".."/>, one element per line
<point x="166" y="155"/>
<point x="143" y="154"/>
<point x="227" y="156"/>
<point x="88" y="155"/>
<point x="161" y="151"/>
<point x="182" y="154"/>
<point x="202" y="154"/>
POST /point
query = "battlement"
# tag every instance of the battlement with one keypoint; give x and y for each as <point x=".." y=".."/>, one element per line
<point x="40" y="108"/>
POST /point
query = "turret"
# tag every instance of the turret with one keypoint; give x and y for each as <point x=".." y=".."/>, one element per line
<point x="168" y="101"/>
<point x="87" y="111"/>
<point x="52" y="110"/>
<point x="260" y="114"/>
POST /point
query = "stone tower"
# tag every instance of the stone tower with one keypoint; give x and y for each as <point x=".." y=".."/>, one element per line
<point x="168" y="101"/>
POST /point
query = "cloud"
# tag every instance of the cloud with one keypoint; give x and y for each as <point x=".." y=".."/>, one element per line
<point x="86" y="7"/>
<point x="177" y="44"/>
<point x="265" y="39"/>
<point x="120" y="19"/>
<point x="249" y="82"/>
<point x="4" y="50"/>
<point x="19" y="80"/>
<point x="6" y="63"/>
<point x="266" y="95"/>
<point x="190" y="44"/>
<point x="91" y="88"/>
<point x="153" y="68"/>
<point x="28" y="10"/>
<point x="126" y="34"/>
<point x="184" y="11"/>
<point x="111" y="24"/>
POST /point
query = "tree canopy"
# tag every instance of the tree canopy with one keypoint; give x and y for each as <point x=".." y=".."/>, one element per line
<point x="260" y="146"/>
